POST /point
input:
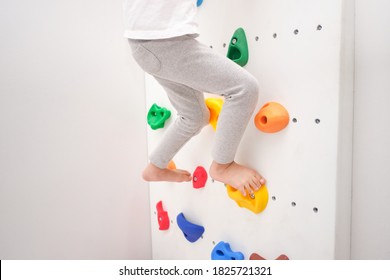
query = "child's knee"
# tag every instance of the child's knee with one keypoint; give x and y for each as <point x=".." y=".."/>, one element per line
<point x="247" y="93"/>
<point x="194" y="124"/>
<point x="252" y="90"/>
<point x="203" y="118"/>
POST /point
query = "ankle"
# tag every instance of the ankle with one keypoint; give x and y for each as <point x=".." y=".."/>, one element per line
<point x="217" y="168"/>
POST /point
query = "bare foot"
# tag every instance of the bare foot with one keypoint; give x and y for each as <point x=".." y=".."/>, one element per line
<point x="153" y="173"/>
<point x="242" y="178"/>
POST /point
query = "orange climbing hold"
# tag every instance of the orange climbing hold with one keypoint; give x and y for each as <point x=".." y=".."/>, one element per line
<point x="215" y="107"/>
<point x="272" y="117"/>
<point x="171" y="165"/>
<point x="255" y="203"/>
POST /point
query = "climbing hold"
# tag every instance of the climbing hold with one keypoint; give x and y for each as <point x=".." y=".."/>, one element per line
<point x="199" y="177"/>
<point x="199" y="3"/>
<point x="272" y="117"/>
<point x="255" y="203"/>
<point x="162" y="217"/>
<point x="171" y="165"/>
<point x="215" y="107"/>
<point x="238" y="48"/>
<point x="157" y="116"/>
<point x="191" y="231"/>
<point x="222" y="251"/>
<point x="255" y="256"/>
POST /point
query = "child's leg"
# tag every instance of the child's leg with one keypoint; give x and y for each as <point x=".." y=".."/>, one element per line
<point x="184" y="61"/>
<point x="193" y="115"/>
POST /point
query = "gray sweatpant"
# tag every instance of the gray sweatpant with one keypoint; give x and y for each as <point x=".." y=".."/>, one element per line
<point x="186" y="69"/>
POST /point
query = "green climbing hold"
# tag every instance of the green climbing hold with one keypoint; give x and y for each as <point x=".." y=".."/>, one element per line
<point x="157" y="116"/>
<point x="238" y="48"/>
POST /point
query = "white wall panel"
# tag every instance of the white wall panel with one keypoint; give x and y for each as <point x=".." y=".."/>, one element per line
<point x="307" y="163"/>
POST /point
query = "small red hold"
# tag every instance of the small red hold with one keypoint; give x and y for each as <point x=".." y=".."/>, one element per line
<point x="199" y="178"/>
<point x="162" y="217"/>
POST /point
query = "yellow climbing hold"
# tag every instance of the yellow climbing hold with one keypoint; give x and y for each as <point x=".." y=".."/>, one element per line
<point x="215" y="106"/>
<point x="255" y="203"/>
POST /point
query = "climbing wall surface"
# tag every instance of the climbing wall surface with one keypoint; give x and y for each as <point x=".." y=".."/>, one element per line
<point x="299" y="52"/>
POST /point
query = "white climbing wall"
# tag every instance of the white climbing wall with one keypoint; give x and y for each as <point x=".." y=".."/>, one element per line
<point x="300" y="53"/>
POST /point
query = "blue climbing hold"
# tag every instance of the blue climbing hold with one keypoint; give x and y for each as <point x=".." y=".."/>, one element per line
<point x="199" y="3"/>
<point x="191" y="231"/>
<point x="222" y="251"/>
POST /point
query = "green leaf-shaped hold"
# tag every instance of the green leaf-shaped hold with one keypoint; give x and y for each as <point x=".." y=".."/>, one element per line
<point x="238" y="48"/>
<point x="157" y="116"/>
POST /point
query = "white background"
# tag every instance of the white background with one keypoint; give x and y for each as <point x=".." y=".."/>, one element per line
<point x="73" y="134"/>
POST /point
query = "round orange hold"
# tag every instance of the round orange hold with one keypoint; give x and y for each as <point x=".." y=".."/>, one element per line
<point x="272" y="117"/>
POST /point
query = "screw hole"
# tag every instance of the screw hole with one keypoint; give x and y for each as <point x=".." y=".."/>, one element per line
<point x="274" y="198"/>
<point x="257" y="38"/>
<point x="317" y="121"/>
<point x="296" y="31"/>
<point x="315" y="210"/>
<point x="294" y="120"/>
<point x="293" y="204"/>
<point x="275" y="35"/>
<point x="224" y="45"/>
<point x="319" y="27"/>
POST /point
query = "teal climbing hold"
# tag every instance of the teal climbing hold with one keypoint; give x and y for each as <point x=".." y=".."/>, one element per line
<point x="157" y="116"/>
<point x="238" y="48"/>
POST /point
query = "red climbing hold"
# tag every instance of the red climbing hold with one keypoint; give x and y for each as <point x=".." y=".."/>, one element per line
<point x="199" y="177"/>
<point x="162" y="217"/>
